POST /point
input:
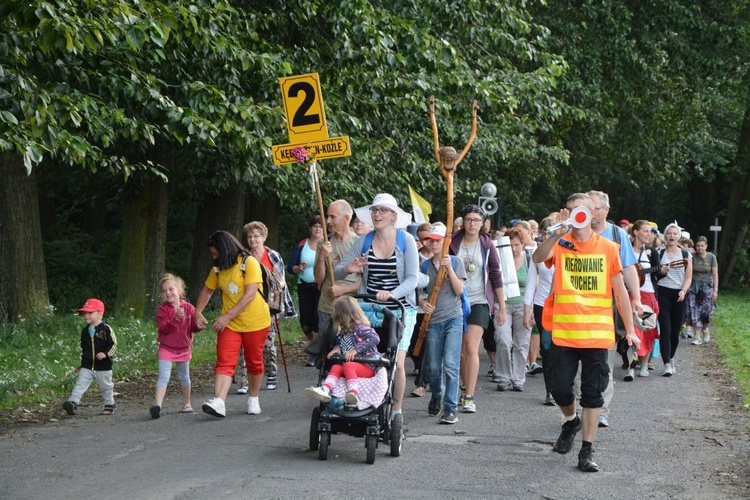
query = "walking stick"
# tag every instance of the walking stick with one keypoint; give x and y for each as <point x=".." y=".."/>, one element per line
<point x="283" y="356"/>
<point x="448" y="159"/>
<point x="314" y="173"/>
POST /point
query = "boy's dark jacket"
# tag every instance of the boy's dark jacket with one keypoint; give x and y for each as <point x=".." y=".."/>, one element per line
<point x="104" y="340"/>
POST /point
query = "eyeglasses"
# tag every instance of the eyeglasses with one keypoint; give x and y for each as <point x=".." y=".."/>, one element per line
<point x="381" y="210"/>
<point x="473" y="221"/>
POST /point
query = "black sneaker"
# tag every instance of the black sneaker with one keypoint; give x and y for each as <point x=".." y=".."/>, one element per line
<point x="567" y="436"/>
<point x="586" y="462"/>
<point x="448" y="417"/>
<point x="549" y="400"/>
<point x="70" y="407"/>
<point x="434" y="407"/>
<point x="155" y="411"/>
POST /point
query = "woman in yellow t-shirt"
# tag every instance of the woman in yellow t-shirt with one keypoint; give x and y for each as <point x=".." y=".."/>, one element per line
<point x="244" y="321"/>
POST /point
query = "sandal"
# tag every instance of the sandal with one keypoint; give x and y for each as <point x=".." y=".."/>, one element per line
<point x="108" y="409"/>
<point x="187" y="409"/>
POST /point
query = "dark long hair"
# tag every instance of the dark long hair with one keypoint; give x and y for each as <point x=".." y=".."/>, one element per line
<point x="229" y="248"/>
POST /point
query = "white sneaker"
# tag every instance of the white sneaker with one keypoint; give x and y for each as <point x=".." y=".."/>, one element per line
<point x="253" y="405"/>
<point x="351" y="398"/>
<point x="671" y="364"/>
<point x="215" y="407"/>
<point x="697" y="341"/>
<point x="242" y="390"/>
<point x="667" y="370"/>
<point x="318" y="394"/>
<point x="706" y="337"/>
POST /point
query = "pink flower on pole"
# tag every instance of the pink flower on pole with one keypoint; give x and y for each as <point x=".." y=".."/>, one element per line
<point x="300" y="154"/>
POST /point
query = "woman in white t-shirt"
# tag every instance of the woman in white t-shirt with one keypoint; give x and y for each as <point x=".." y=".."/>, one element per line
<point x="675" y="278"/>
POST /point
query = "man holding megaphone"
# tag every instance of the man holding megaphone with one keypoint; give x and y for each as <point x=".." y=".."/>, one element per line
<point x="579" y="314"/>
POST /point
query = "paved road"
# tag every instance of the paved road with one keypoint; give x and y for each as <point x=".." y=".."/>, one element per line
<point x="683" y="437"/>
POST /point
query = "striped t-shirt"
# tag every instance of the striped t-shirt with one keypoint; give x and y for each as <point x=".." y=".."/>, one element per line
<point x="382" y="275"/>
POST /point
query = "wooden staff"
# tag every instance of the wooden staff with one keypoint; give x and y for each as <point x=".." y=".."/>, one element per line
<point x="448" y="160"/>
<point x="329" y="262"/>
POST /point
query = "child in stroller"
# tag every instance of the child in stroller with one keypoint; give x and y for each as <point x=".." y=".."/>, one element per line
<point x="359" y="403"/>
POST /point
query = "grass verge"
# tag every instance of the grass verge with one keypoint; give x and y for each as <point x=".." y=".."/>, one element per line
<point x="732" y="334"/>
<point x="38" y="357"/>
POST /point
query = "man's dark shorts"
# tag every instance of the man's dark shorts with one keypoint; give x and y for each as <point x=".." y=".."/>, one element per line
<point x="594" y="375"/>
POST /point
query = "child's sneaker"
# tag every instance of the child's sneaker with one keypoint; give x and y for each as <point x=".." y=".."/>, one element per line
<point x="318" y="394"/>
<point x="351" y="398"/>
<point x="70" y="407"/>
<point x="644" y="371"/>
<point x="215" y="407"/>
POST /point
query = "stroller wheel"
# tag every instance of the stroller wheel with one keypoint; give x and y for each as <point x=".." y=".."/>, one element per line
<point x="397" y="434"/>
<point x="372" y="444"/>
<point x="314" y="434"/>
<point x="325" y="440"/>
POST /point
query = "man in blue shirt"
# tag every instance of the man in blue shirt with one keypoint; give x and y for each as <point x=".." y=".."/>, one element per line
<point x="607" y="230"/>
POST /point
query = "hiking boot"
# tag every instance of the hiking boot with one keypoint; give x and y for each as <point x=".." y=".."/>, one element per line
<point x="215" y="407"/>
<point x="434" y="407"/>
<point x="630" y="376"/>
<point x="586" y="462"/>
<point x="318" y="394"/>
<point x="448" y="417"/>
<point x="567" y="436"/>
<point x="70" y="407"/>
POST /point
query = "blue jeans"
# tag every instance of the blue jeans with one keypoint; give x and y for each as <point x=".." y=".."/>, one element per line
<point x="444" y="357"/>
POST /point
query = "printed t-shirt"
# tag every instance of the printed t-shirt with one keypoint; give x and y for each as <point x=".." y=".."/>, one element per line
<point x="256" y="315"/>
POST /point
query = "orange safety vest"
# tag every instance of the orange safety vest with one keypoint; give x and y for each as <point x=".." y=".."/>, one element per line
<point x="579" y="310"/>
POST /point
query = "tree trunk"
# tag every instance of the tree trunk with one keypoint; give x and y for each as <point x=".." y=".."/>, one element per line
<point x="23" y="278"/>
<point x="220" y="211"/>
<point x="144" y="236"/>
<point x="268" y="211"/>
<point x="734" y="228"/>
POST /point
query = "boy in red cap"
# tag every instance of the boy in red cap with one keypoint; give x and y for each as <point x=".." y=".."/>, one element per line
<point x="98" y="345"/>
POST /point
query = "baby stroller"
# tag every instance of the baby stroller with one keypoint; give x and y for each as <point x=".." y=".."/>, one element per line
<point x="372" y="423"/>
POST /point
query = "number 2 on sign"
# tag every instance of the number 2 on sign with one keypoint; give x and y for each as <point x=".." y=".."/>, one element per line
<point x="301" y="118"/>
<point x="303" y="104"/>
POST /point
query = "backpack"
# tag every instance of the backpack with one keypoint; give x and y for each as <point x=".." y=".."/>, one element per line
<point x="400" y="241"/>
<point x="273" y="289"/>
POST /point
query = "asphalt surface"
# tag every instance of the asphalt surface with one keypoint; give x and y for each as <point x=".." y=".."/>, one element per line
<point x="679" y="437"/>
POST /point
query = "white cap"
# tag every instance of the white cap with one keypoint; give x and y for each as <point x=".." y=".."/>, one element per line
<point x="436" y="233"/>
